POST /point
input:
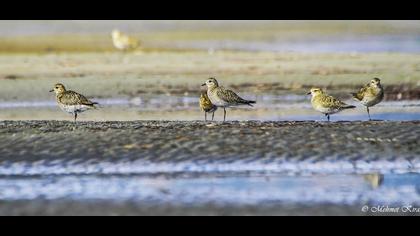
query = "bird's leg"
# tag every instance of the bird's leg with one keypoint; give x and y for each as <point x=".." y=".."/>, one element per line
<point x="75" y="116"/>
<point x="212" y="116"/>
<point x="328" y="117"/>
<point x="224" y="114"/>
<point x="205" y="116"/>
<point x="367" y="108"/>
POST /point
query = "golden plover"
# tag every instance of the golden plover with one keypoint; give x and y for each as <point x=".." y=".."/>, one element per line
<point x="71" y="102"/>
<point x="206" y="105"/>
<point x="370" y="94"/>
<point x="222" y="97"/>
<point x="326" y="104"/>
<point x="124" y="42"/>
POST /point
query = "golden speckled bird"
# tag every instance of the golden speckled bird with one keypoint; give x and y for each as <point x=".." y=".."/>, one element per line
<point x="71" y="102"/>
<point x="206" y="105"/>
<point x="370" y="94"/>
<point x="222" y="97"/>
<point x="124" y="42"/>
<point x="327" y="104"/>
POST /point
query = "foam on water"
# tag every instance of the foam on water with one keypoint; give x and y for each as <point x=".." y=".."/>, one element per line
<point x="58" y="167"/>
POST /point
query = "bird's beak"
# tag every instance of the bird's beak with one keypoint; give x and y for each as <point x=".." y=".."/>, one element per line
<point x="308" y="93"/>
<point x="51" y="91"/>
<point x="203" y="84"/>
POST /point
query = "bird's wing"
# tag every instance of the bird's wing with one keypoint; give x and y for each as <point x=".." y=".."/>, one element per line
<point x="132" y="41"/>
<point x="73" y="98"/>
<point x="359" y="95"/>
<point x="333" y="102"/>
<point x="229" y="96"/>
<point x="205" y="102"/>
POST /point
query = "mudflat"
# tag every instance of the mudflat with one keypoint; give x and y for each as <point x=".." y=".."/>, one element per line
<point x="202" y="143"/>
<point x="208" y="168"/>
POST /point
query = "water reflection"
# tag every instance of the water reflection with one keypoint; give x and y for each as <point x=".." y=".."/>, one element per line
<point x="375" y="180"/>
<point x="220" y="189"/>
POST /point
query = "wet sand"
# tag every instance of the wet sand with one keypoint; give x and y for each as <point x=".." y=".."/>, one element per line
<point x="190" y="167"/>
<point x="197" y="145"/>
<point x="206" y="168"/>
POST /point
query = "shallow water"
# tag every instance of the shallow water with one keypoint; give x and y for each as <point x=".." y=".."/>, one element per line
<point x="391" y="189"/>
<point x="172" y="107"/>
<point x="113" y="166"/>
<point x="336" y="44"/>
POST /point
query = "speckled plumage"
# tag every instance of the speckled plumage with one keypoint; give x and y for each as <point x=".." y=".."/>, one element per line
<point x="370" y="94"/>
<point x="71" y="102"/>
<point x="222" y="97"/>
<point x="327" y="104"/>
<point x="206" y="105"/>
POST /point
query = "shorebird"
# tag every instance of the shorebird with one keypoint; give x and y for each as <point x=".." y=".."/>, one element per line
<point x="206" y="105"/>
<point x="370" y="94"/>
<point x="124" y="42"/>
<point x="326" y="104"/>
<point x="71" y="102"/>
<point x="222" y="97"/>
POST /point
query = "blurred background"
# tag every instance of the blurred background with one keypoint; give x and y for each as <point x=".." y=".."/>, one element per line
<point x="274" y="62"/>
<point x="123" y="171"/>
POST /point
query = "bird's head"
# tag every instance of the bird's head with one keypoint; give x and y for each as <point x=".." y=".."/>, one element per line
<point x="315" y="91"/>
<point x="115" y="33"/>
<point x="375" y="82"/>
<point x="211" y="83"/>
<point x="58" y="88"/>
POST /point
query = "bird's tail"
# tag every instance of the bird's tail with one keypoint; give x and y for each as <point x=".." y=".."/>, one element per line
<point x="95" y="105"/>
<point x="349" y="107"/>
<point x="249" y="102"/>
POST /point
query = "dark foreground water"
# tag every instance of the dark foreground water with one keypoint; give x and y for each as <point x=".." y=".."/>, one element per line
<point x="226" y="194"/>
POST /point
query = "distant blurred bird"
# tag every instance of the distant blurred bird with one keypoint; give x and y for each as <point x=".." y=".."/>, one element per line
<point x="222" y="97"/>
<point x="327" y="104"/>
<point x="71" y="102"/>
<point x="206" y="105"/>
<point x="370" y="94"/>
<point x="124" y="42"/>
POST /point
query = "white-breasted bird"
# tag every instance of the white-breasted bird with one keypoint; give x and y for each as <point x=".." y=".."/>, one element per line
<point x="370" y="94"/>
<point x="71" y="102"/>
<point x="221" y="97"/>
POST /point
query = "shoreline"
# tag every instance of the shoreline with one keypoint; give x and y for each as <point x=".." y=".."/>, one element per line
<point x="175" y="146"/>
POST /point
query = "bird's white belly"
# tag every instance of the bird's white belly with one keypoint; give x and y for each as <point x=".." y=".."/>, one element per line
<point x="120" y="45"/>
<point x="216" y="100"/>
<point x="73" y="108"/>
<point x="325" y="110"/>
<point x="370" y="101"/>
